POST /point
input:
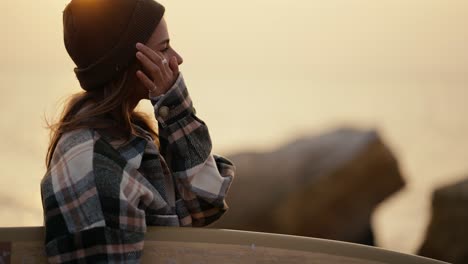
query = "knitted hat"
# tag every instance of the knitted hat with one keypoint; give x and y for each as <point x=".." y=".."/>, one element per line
<point x="100" y="36"/>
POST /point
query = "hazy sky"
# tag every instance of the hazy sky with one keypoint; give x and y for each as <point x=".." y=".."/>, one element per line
<point x="263" y="72"/>
<point x="274" y="39"/>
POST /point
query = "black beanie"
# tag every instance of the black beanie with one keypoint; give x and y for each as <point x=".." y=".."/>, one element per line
<point x="100" y="36"/>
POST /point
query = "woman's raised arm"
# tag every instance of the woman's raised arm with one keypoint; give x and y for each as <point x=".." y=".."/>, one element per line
<point x="202" y="178"/>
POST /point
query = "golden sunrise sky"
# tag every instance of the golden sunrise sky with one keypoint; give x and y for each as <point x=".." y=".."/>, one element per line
<point x="273" y="39"/>
<point x="262" y="73"/>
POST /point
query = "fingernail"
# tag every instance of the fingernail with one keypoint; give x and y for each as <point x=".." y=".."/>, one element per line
<point x="139" y="45"/>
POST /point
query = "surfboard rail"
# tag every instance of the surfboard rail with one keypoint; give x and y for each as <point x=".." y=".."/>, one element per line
<point x="205" y="245"/>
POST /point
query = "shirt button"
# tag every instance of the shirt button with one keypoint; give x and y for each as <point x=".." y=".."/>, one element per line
<point x="164" y="111"/>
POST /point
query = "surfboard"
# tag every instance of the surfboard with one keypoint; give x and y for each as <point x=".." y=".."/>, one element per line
<point x="171" y="245"/>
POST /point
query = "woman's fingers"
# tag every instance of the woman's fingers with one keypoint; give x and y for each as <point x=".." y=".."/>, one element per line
<point x="162" y="71"/>
<point x="152" y="68"/>
<point x="154" y="56"/>
<point x="149" y="84"/>
<point x="167" y="68"/>
<point x="174" y="65"/>
<point x="157" y="58"/>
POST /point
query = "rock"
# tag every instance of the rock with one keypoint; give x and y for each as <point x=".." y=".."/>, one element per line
<point x="325" y="186"/>
<point x="447" y="233"/>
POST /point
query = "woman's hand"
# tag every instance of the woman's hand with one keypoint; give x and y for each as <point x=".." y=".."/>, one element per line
<point x="162" y="73"/>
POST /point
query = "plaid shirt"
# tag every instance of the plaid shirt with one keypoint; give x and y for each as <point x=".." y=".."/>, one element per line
<point x="99" y="196"/>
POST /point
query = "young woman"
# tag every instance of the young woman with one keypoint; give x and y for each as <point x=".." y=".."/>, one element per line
<point x="109" y="173"/>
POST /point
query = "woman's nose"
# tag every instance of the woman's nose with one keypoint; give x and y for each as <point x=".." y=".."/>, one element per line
<point x="180" y="60"/>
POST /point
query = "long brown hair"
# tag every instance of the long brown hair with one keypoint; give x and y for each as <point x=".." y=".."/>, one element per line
<point x="106" y="108"/>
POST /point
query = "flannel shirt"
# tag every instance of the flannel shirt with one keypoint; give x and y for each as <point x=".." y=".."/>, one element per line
<point x="98" y="195"/>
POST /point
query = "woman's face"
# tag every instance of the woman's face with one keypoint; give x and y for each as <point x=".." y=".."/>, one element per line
<point x="159" y="41"/>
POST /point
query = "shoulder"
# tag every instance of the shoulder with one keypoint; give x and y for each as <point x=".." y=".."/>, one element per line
<point x="75" y="138"/>
<point x="86" y="147"/>
<point x="74" y="144"/>
<point x="80" y="151"/>
<point x="80" y="159"/>
<point x="72" y="160"/>
<point x="71" y="168"/>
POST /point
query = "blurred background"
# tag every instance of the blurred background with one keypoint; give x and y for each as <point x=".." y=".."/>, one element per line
<point x="262" y="73"/>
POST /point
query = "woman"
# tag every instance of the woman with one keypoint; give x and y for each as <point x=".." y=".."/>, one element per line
<point x="110" y="174"/>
